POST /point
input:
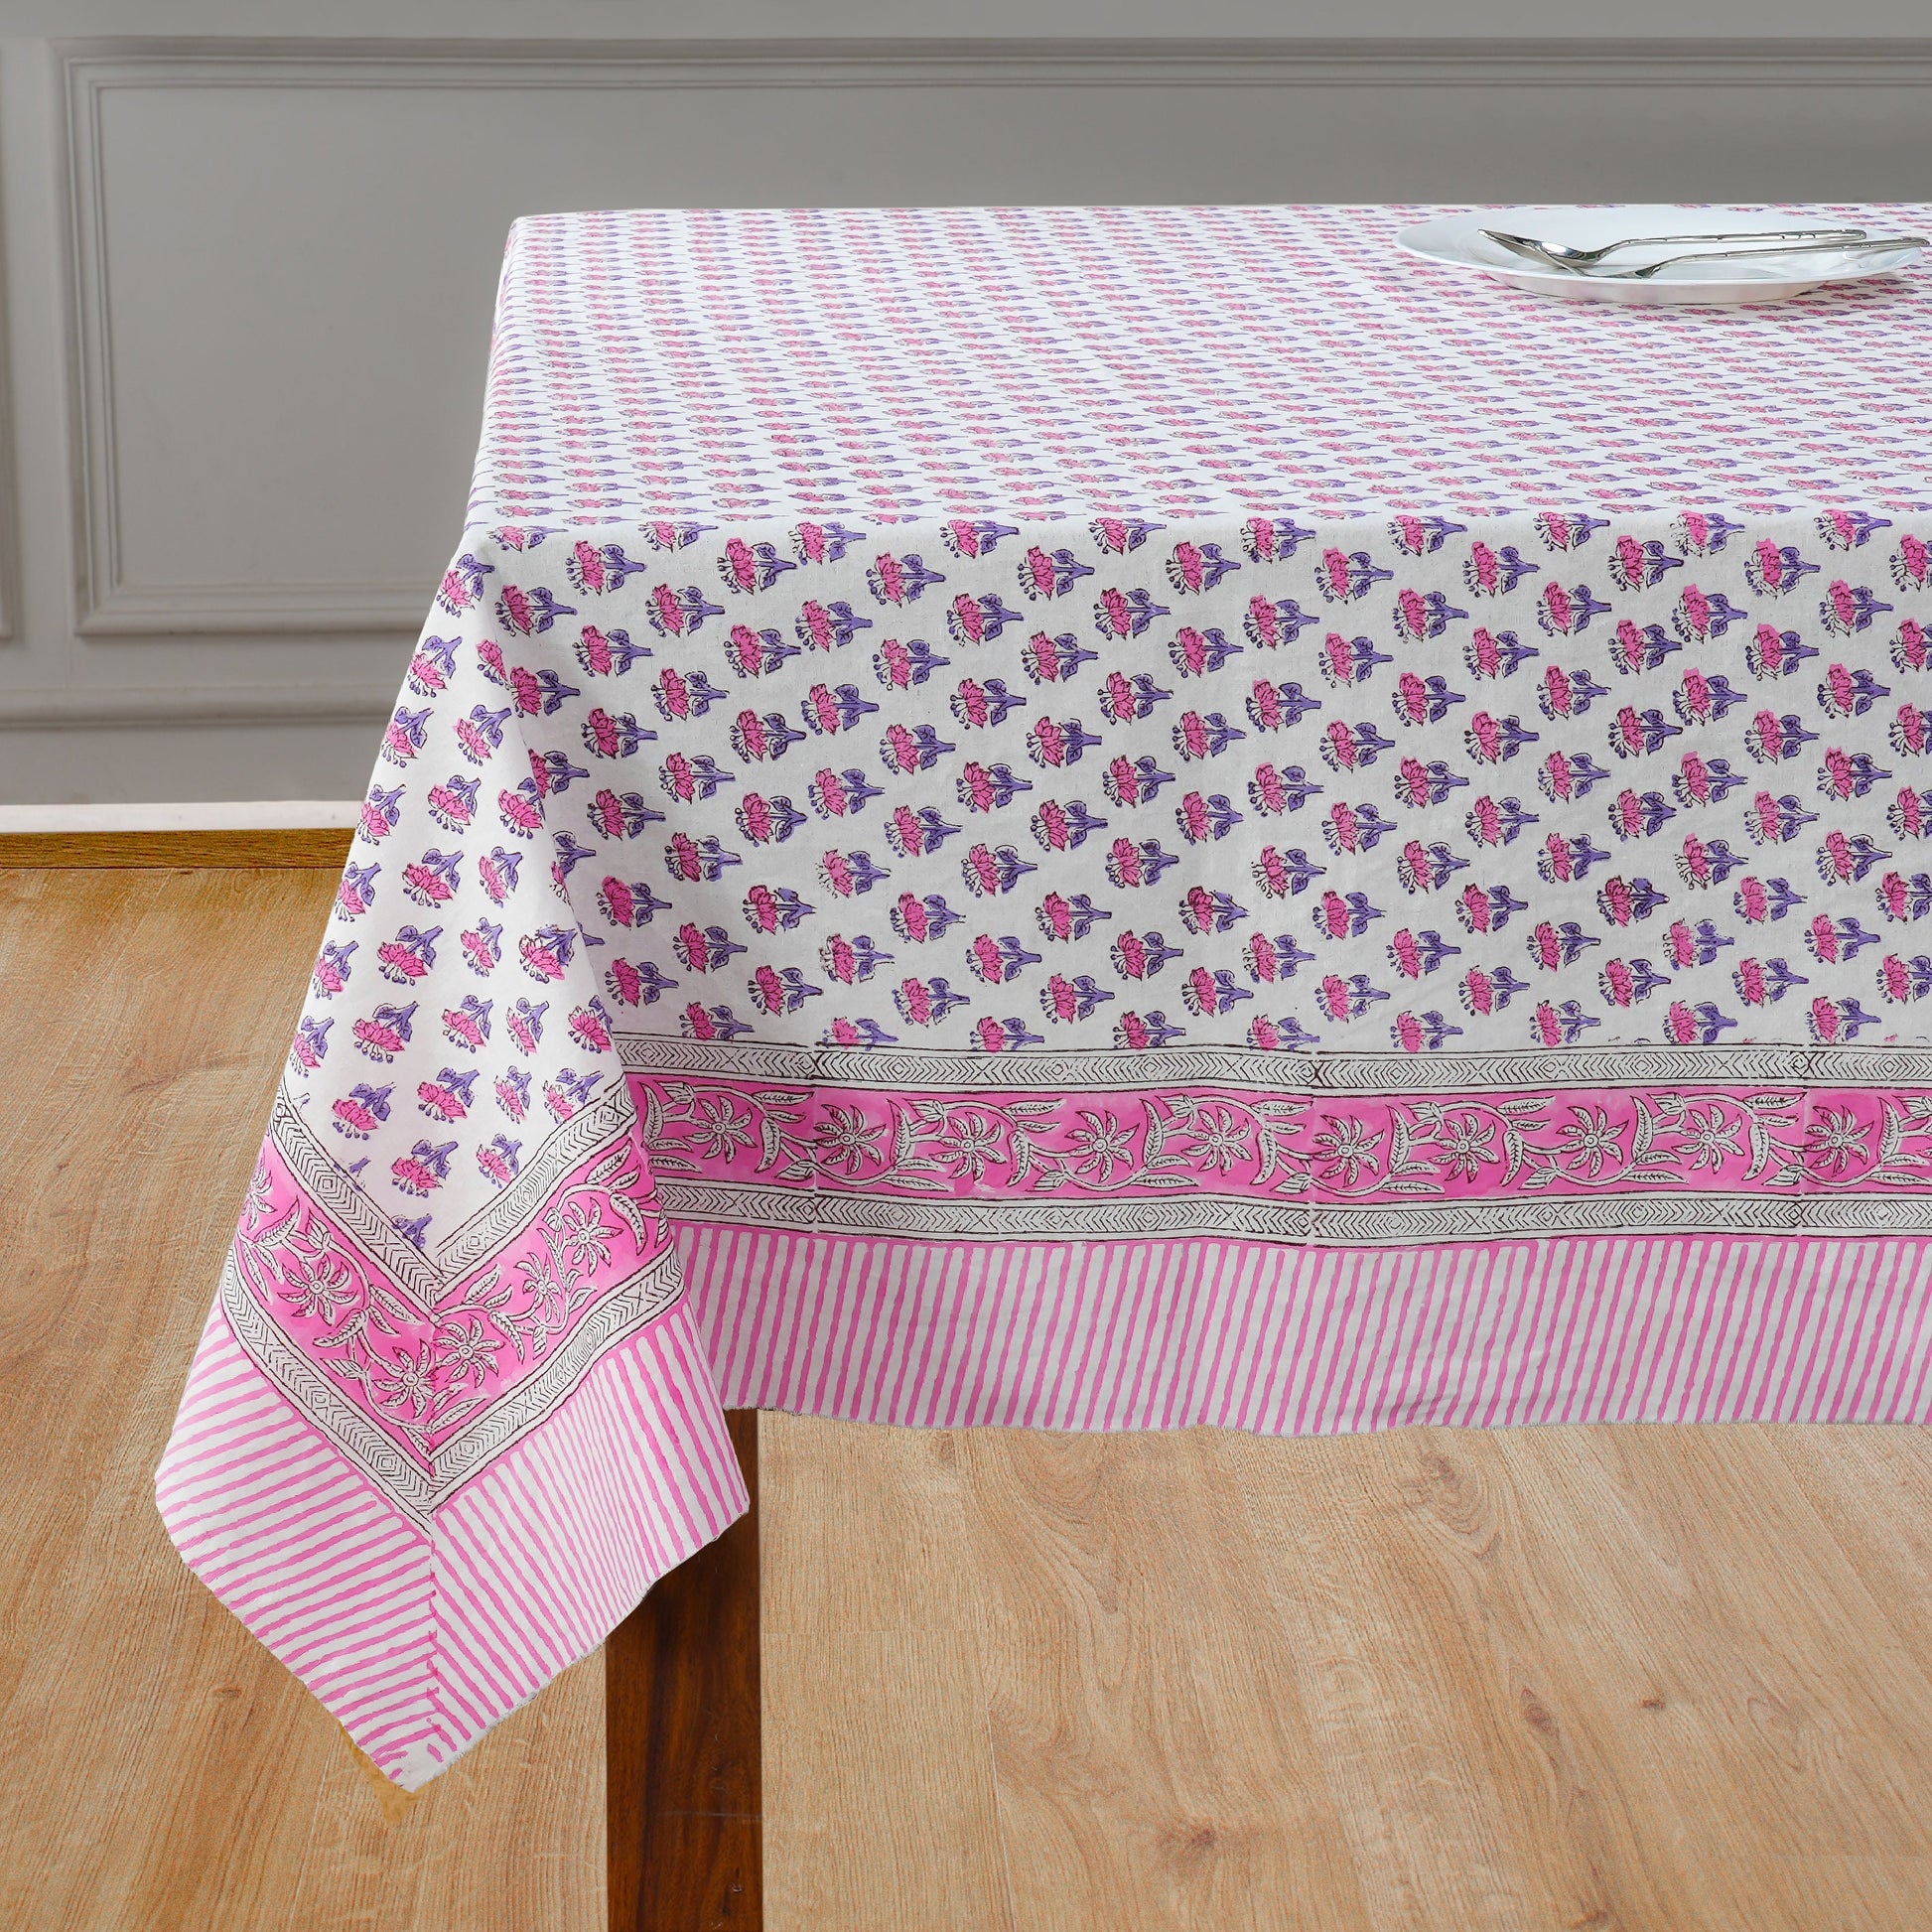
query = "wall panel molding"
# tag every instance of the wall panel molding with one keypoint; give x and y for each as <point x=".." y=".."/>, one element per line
<point x="10" y="581"/>
<point x="1730" y="62"/>
<point x="106" y="604"/>
<point x="134" y="706"/>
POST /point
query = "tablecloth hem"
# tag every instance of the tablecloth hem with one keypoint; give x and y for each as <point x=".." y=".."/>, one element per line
<point x="1281" y="1340"/>
<point x="420" y="1642"/>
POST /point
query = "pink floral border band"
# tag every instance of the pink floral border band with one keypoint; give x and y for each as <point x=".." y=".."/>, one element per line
<point x="424" y="1373"/>
<point x="1762" y="1141"/>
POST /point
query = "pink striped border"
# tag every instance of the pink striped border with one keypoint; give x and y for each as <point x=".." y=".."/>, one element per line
<point x="1286" y="1340"/>
<point x="420" y="1642"/>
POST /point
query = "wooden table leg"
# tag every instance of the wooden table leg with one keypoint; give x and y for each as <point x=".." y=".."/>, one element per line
<point x="681" y="1694"/>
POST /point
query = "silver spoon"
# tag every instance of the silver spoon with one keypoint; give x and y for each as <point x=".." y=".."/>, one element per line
<point x="1751" y="254"/>
<point x="1557" y="254"/>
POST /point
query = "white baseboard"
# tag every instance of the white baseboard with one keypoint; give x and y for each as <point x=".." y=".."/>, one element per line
<point x="251" y="816"/>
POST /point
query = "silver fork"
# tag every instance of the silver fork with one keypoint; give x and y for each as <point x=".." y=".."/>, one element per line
<point x="1558" y="254"/>
<point x="1749" y="254"/>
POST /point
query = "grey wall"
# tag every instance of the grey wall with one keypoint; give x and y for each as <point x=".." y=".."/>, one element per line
<point x="247" y="279"/>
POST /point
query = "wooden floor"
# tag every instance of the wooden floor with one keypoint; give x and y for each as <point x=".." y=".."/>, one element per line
<point x="1564" y="1679"/>
<point x="1643" y="1677"/>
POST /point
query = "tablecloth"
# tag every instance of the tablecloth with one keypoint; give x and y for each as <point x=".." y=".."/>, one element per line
<point x="1094" y="818"/>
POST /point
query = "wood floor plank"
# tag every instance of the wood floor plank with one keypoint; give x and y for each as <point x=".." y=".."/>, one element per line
<point x="1155" y="1766"/>
<point x="1870" y="1486"/>
<point x="1810" y="1706"/>
<point x="326" y="847"/>
<point x="880" y="1810"/>
<point x="880" y="1805"/>
<point x="163" y="1770"/>
<point x="1458" y="1681"/>
<point x="1416" y="1743"/>
<point x="872" y="1535"/>
<point x="1634" y="1656"/>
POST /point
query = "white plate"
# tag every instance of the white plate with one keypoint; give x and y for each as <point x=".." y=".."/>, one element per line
<point x="1457" y="241"/>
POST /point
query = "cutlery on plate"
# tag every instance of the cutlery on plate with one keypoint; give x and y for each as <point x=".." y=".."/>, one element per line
<point x="1557" y="254"/>
<point x="1752" y="254"/>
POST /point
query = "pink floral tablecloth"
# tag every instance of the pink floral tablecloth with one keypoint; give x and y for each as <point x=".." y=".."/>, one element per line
<point x="1090" y="819"/>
